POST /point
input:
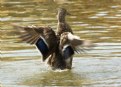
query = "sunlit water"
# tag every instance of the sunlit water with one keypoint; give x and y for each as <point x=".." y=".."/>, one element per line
<point x="96" y="20"/>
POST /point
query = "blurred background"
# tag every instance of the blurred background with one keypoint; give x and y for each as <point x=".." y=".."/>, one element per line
<point x="96" y="20"/>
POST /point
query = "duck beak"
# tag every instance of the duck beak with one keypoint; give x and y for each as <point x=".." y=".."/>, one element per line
<point x="68" y="13"/>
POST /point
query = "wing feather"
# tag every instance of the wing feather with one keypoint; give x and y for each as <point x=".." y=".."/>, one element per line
<point x="75" y="42"/>
<point x="43" y="37"/>
<point x="29" y="34"/>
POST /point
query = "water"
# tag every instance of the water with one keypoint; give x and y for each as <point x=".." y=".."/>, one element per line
<point x="99" y="21"/>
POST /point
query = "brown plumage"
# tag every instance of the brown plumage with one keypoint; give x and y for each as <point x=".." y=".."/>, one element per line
<point x="31" y="34"/>
<point x="62" y="26"/>
<point x="58" y="47"/>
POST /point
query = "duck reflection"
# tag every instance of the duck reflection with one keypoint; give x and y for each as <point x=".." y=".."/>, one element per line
<point x="56" y="78"/>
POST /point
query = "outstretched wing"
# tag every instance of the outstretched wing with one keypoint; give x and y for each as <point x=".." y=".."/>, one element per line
<point x="69" y="40"/>
<point x="76" y="41"/>
<point x="29" y="34"/>
<point x="43" y="37"/>
<point x="65" y="46"/>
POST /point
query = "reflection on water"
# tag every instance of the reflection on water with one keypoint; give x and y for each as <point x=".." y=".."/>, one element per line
<point x="99" y="21"/>
<point x="57" y="78"/>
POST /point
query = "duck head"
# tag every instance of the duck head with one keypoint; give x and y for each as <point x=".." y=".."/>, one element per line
<point x="62" y="12"/>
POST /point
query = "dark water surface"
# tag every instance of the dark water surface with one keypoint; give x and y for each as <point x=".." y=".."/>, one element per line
<point x="96" y="20"/>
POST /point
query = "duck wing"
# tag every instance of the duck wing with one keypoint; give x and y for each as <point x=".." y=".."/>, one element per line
<point x="70" y="42"/>
<point x="65" y="47"/>
<point x="43" y="37"/>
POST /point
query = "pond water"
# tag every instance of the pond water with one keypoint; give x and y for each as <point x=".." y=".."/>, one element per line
<point x="96" y="20"/>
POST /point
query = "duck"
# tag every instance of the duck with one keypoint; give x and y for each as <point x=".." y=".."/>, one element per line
<point x="58" y="47"/>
